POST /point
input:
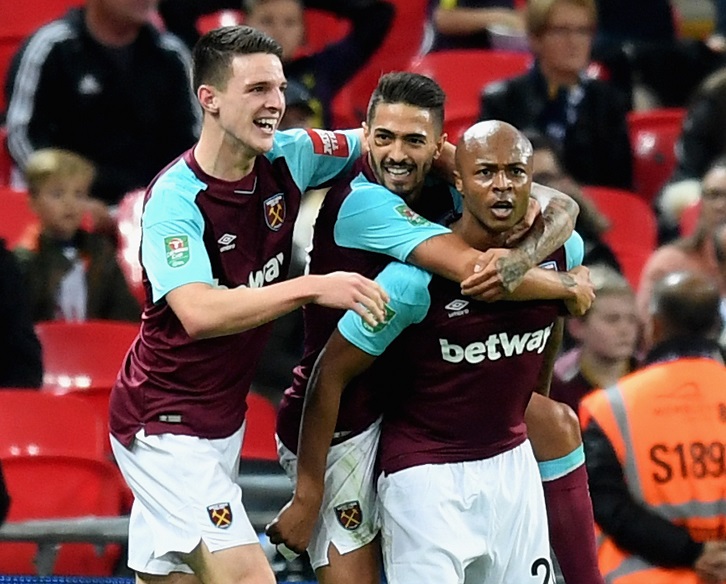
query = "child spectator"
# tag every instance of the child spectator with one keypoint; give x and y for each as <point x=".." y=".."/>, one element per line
<point x="606" y="340"/>
<point x="71" y="274"/>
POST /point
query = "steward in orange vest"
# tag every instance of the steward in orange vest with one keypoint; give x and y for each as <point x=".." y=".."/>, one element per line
<point x="655" y="446"/>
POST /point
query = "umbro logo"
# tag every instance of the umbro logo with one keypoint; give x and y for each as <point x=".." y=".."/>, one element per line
<point x="457" y="307"/>
<point x="226" y="242"/>
<point x="89" y="85"/>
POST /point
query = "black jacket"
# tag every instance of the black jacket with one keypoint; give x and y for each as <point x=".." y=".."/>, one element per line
<point x="20" y="354"/>
<point x="595" y="148"/>
<point x="131" y="110"/>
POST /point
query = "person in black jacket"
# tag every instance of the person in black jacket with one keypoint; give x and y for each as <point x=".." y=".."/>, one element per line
<point x="323" y="73"/>
<point x="104" y="83"/>
<point x="585" y="117"/>
<point x="21" y="362"/>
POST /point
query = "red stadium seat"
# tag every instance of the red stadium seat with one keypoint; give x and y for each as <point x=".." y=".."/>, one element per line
<point x="17" y="219"/>
<point x="633" y="233"/>
<point x="36" y="423"/>
<point x="653" y="135"/>
<point x="259" y="440"/>
<point x="57" y="487"/>
<point x="323" y="28"/>
<point x="463" y="74"/>
<point x="218" y="19"/>
<point x="128" y="221"/>
<point x="398" y="49"/>
<point x="83" y="355"/>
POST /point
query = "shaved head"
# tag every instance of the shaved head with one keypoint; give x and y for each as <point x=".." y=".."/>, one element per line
<point x="685" y="304"/>
<point x="493" y="135"/>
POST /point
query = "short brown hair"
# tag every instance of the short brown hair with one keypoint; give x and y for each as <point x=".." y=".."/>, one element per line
<point x="49" y="163"/>
<point x="538" y="13"/>
<point x="213" y="53"/>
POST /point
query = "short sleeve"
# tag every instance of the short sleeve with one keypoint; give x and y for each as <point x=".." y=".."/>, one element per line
<point x="407" y="287"/>
<point x="574" y="250"/>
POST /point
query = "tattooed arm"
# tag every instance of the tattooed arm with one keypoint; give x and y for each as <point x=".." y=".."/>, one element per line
<point x="531" y="241"/>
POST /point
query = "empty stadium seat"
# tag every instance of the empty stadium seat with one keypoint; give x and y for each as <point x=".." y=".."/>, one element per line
<point x="218" y="19"/>
<point x="36" y="423"/>
<point x="463" y="74"/>
<point x="653" y="136"/>
<point x="83" y="355"/>
<point x="17" y="219"/>
<point x="402" y="44"/>
<point x="57" y="487"/>
<point x="633" y="233"/>
<point x="323" y="28"/>
<point x="259" y="440"/>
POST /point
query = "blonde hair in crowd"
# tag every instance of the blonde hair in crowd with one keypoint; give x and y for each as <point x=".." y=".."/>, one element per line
<point x="56" y="163"/>
<point x="538" y="13"/>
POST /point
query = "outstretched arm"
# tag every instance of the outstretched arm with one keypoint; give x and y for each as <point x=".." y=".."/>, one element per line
<point x="337" y="365"/>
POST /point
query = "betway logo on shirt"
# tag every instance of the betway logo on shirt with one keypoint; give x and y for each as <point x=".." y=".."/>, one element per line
<point x="329" y="143"/>
<point x="269" y="272"/>
<point x="496" y="346"/>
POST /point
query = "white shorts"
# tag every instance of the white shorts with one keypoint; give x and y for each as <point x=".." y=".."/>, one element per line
<point x="185" y="491"/>
<point x="479" y="522"/>
<point x="349" y="512"/>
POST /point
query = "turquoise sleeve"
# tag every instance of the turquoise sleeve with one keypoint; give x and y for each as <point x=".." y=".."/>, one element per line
<point x="374" y="219"/>
<point x="172" y="248"/>
<point x="315" y="157"/>
<point x="407" y="287"/>
<point x="574" y="250"/>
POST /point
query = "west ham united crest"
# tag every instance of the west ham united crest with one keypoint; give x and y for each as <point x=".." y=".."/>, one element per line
<point x="349" y="515"/>
<point x="274" y="210"/>
<point x="220" y="515"/>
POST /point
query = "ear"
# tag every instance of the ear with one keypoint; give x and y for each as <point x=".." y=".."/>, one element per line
<point x="440" y="144"/>
<point x="458" y="183"/>
<point x="207" y="96"/>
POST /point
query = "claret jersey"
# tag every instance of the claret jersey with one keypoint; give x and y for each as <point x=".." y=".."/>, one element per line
<point x="361" y="227"/>
<point x="457" y="374"/>
<point x="196" y="228"/>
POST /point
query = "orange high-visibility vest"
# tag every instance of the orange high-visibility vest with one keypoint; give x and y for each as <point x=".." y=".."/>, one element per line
<point x="667" y="425"/>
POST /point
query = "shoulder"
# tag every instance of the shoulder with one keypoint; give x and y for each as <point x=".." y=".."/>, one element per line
<point x="172" y="192"/>
<point x="506" y="87"/>
<point x="173" y="47"/>
<point x="51" y="35"/>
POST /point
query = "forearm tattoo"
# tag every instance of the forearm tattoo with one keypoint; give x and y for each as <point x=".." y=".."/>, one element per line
<point x="567" y="280"/>
<point x="551" y="232"/>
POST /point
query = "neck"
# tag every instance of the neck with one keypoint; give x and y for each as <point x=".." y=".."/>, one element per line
<point x="108" y="31"/>
<point x="220" y="158"/>
<point x="476" y="234"/>
<point x="601" y="371"/>
<point x="559" y="78"/>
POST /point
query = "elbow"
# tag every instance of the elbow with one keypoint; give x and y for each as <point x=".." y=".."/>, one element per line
<point x="196" y="326"/>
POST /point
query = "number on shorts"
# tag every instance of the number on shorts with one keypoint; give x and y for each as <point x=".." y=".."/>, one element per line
<point x="539" y="563"/>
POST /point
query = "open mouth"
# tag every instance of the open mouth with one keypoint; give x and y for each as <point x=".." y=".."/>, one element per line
<point x="502" y="209"/>
<point x="398" y="172"/>
<point x="268" y="125"/>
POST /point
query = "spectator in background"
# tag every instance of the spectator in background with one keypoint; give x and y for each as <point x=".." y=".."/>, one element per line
<point x="470" y="24"/>
<point x="637" y="42"/>
<point x="655" y="446"/>
<point x="104" y="83"/>
<point x="585" y="117"/>
<point x="71" y="274"/>
<point x="606" y="336"/>
<point x="703" y="137"/>
<point x="591" y="224"/>
<point x="21" y="362"/>
<point x="694" y="252"/>
<point x="323" y="73"/>
<point x="299" y="112"/>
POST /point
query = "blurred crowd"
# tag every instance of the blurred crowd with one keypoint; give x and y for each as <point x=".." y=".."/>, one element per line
<point x="97" y="101"/>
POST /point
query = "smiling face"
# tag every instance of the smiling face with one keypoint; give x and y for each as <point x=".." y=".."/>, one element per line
<point x="494" y="175"/>
<point x="403" y="141"/>
<point x="250" y="105"/>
